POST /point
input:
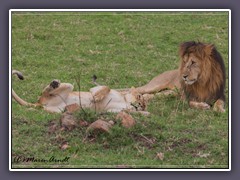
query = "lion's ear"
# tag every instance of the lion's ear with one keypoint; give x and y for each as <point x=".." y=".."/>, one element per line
<point x="183" y="48"/>
<point x="208" y="49"/>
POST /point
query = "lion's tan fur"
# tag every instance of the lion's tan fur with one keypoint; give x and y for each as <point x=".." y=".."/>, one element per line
<point x="57" y="96"/>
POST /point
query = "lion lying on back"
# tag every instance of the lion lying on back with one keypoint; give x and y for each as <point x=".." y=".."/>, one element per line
<point x="201" y="77"/>
<point x="57" y="96"/>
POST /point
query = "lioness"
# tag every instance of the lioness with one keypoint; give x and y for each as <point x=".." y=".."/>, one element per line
<point x="56" y="96"/>
<point x="200" y="76"/>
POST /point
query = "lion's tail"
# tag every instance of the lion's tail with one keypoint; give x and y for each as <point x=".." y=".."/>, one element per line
<point x="15" y="96"/>
<point x="94" y="78"/>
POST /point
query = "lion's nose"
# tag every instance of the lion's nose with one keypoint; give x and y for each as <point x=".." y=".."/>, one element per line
<point x="185" y="76"/>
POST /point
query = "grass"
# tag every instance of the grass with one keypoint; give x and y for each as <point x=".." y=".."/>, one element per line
<point x="123" y="50"/>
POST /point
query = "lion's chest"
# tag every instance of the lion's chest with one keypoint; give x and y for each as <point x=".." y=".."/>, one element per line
<point x="199" y="94"/>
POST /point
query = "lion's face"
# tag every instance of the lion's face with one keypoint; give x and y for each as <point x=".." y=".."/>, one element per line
<point x="190" y="69"/>
<point x="139" y="102"/>
<point x="136" y="99"/>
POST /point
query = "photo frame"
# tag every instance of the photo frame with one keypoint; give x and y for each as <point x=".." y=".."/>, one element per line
<point x="95" y="52"/>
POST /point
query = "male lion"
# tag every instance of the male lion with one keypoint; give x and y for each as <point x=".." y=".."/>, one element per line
<point x="57" y="96"/>
<point x="200" y="76"/>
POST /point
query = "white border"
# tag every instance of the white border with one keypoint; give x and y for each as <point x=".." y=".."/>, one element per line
<point x="230" y="87"/>
<point x="117" y="10"/>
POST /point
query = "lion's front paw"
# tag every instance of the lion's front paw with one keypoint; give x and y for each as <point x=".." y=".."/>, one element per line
<point x="55" y="83"/>
<point x="199" y="105"/>
<point x="219" y="106"/>
<point x="204" y="105"/>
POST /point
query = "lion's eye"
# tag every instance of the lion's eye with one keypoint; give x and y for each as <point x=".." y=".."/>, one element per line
<point x="193" y="62"/>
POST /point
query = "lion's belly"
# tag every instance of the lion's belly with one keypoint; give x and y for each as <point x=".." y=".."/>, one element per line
<point x="113" y="102"/>
<point x="84" y="99"/>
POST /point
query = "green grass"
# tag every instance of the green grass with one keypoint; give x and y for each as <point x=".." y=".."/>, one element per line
<point x="123" y="50"/>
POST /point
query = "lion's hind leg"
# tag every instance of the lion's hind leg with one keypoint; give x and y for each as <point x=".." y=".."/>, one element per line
<point x="148" y="97"/>
<point x="99" y="92"/>
<point x="57" y="88"/>
<point x="166" y="80"/>
<point x="55" y="93"/>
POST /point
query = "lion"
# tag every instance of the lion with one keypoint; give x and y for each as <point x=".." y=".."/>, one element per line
<point x="57" y="96"/>
<point x="200" y="77"/>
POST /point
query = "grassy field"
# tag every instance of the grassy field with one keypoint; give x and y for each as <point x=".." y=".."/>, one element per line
<point x="123" y="50"/>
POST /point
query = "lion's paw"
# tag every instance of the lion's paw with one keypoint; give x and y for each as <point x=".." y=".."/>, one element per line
<point x="199" y="105"/>
<point x="98" y="98"/>
<point x="55" y="83"/>
<point x="219" y="106"/>
<point x="204" y="105"/>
